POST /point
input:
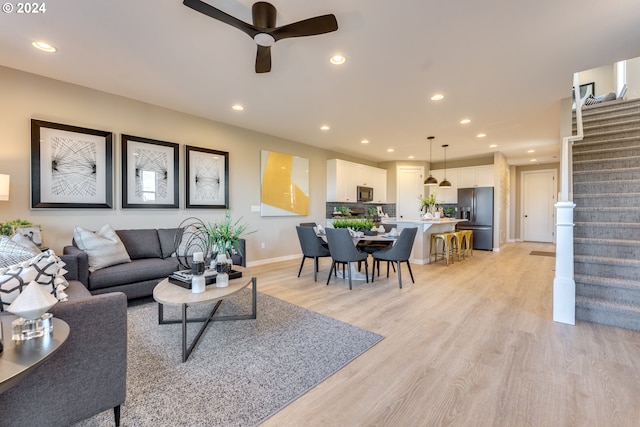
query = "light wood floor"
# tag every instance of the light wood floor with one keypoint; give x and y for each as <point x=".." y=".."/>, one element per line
<point x="472" y="344"/>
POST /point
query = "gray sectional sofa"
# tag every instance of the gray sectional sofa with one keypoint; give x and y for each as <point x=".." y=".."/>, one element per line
<point x="87" y="375"/>
<point x="152" y="260"/>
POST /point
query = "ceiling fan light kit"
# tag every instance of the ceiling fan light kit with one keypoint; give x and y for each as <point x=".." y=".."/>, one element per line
<point x="264" y="31"/>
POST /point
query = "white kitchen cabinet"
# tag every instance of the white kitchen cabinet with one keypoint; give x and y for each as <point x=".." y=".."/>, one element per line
<point x="344" y="177"/>
<point x="445" y="195"/>
<point x="477" y="176"/>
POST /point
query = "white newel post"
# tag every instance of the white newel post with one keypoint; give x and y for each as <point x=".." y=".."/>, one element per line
<point x="564" y="286"/>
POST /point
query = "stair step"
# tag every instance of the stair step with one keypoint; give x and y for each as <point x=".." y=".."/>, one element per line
<point x="603" y="200"/>
<point x="607" y="174"/>
<point x="608" y="187"/>
<point x="606" y="230"/>
<point x="608" y="153"/>
<point x="587" y="145"/>
<point x="611" y="134"/>
<point x="609" y="109"/>
<point x="613" y="214"/>
<point x="627" y="121"/>
<point x="617" y="248"/>
<point x="600" y="164"/>
<point x="615" y="268"/>
<point x="610" y="313"/>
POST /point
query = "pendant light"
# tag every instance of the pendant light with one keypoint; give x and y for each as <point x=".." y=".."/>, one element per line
<point x="430" y="180"/>
<point x="445" y="183"/>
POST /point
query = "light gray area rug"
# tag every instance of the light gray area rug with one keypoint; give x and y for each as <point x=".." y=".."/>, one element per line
<point x="240" y="373"/>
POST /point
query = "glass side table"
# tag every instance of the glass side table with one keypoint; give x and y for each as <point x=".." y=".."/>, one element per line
<point x="18" y="358"/>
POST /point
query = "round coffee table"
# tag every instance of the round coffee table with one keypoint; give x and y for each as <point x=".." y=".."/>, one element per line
<point x="166" y="293"/>
<point x="21" y="357"/>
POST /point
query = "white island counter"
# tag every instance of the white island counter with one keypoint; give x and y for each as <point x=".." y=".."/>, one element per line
<point x="421" y="246"/>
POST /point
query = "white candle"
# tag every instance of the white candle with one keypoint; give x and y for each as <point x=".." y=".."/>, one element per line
<point x="198" y="257"/>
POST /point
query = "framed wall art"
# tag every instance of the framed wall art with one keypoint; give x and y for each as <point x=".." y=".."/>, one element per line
<point x="71" y="167"/>
<point x="284" y="188"/>
<point x="149" y="173"/>
<point x="207" y="178"/>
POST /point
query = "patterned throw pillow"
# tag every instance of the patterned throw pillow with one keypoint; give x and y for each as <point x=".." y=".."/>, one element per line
<point x="45" y="268"/>
<point x="103" y="248"/>
<point x="14" y="253"/>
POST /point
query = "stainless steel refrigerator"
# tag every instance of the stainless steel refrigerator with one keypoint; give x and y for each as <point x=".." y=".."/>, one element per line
<point x="476" y="206"/>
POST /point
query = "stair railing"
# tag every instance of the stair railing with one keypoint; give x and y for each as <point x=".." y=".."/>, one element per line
<point x="564" y="285"/>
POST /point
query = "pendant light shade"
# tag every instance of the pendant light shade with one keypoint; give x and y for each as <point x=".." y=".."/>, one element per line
<point x="430" y="180"/>
<point x="445" y="183"/>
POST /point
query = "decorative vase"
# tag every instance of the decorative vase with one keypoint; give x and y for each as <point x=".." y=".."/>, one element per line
<point x="222" y="267"/>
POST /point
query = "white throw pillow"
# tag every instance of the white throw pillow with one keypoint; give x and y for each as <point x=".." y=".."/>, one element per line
<point x="25" y="242"/>
<point x="45" y="268"/>
<point x="104" y="247"/>
<point x="13" y="253"/>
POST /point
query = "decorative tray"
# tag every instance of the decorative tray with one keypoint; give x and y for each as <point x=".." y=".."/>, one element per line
<point x="183" y="278"/>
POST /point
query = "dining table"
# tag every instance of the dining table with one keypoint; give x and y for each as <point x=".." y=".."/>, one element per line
<point x="358" y="238"/>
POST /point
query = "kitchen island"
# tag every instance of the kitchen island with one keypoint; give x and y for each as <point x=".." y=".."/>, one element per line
<point x="426" y="227"/>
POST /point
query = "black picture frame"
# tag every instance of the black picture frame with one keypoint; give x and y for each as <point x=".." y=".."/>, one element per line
<point x="206" y="178"/>
<point x="71" y="166"/>
<point x="585" y="90"/>
<point x="150" y="173"/>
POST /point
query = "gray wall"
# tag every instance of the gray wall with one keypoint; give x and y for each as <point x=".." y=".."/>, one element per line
<point x="26" y="96"/>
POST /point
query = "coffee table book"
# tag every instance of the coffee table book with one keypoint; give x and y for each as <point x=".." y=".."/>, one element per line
<point x="183" y="279"/>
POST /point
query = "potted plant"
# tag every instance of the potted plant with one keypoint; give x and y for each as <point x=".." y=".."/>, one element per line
<point x="354" y="224"/>
<point x="7" y="228"/>
<point x="224" y="235"/>
<point x="429" y="204"/>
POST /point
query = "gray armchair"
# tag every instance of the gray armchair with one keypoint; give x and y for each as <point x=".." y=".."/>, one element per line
<point x="87" y="375"/>
<point x="311" y="248"/>
<point x="344" y="251"/>
<point x="400" y="252"/>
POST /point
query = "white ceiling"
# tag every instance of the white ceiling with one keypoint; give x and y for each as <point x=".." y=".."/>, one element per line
<point x="504" y="64"/>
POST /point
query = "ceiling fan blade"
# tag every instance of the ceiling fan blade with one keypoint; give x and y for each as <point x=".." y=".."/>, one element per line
<point x="309" y="27"/>
<point x="214" y="13"/>
<point x="263" y="59"/>
<point x="264" y="15"/>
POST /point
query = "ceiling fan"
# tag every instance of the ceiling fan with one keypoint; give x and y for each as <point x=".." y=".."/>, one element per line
<point x="264" y="31"/>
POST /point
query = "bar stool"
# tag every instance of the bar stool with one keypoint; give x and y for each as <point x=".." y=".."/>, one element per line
<point x="466" y="243"/>
<point x="449" y="239"/>
<point x="457" y="245"/>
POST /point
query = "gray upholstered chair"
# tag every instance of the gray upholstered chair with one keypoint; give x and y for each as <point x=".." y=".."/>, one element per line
<point x="308" y="224"/>
<point x="400" y="252"/>
<point x="311" y="248"/>
<point x="87" y="375"/>
<point x="343" y="250"/>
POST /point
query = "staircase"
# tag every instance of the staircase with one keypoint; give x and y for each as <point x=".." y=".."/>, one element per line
<point x="606" y="191"/>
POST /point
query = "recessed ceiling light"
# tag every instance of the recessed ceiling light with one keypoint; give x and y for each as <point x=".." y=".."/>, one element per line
<point x="465" y="121"/>
<point x="481" y="135"/>
<point x="532" y="160"/>
<point x="412" y="157"/>
<point x="324" y="127"/>
<point x="364" y="141"/>
<point x="44" y="46"/>
<point x="237" y="107"/>
<point x="390" y="150"/>
<point x="531" y="151"/>
<point x="437" y="97"/>
<point x="493" y="145"/>
<point x="337" y="59"/>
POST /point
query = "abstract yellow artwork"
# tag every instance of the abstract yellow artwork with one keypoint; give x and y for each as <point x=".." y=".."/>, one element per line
<point x="285" y="184"/>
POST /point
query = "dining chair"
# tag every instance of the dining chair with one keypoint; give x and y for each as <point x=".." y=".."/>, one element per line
<point x="311" y="248"/>
<point x="343" y="250"/>
<point x="400" y="252"/>
<point x="308" y="224"/>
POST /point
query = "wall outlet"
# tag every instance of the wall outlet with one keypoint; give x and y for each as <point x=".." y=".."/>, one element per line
<point x="263" y="245"/>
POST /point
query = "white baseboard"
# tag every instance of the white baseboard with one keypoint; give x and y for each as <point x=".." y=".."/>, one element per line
<point x="272" y="260"/>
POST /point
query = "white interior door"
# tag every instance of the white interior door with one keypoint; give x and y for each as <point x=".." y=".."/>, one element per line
<point x="538" y="199"/>
<point x="410" y="186"/>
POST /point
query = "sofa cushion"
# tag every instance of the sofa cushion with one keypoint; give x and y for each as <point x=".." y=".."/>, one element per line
<point x="12" y="252"/>
<point x="45" y="268"/>
<point x="142" y="243"/>
<point x="167" y="238"/>
<point x="136" y="271"/>
<point x="104" y="247"/>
